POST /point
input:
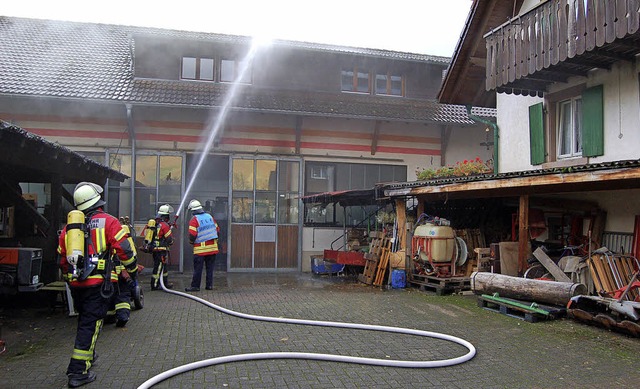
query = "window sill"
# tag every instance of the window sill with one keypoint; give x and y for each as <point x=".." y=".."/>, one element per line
<point x="568" y="162"/>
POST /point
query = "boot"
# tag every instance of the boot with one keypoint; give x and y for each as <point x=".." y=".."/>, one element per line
<point x="76" y="380"/>
<point x="166" y="283"/>
<point x="153" y="284"/>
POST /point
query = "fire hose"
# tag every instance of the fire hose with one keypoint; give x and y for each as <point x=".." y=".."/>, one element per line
<point x="313" y="356"/>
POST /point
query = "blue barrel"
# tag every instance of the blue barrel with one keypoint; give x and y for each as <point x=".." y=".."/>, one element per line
<point x="398" y="279"/>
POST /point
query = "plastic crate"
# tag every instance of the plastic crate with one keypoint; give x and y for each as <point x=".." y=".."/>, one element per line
<point x="320" y="266"/>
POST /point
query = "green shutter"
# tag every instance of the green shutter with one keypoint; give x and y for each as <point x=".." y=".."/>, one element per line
<point x="536" y="134"/>
<point x="592" y="122"/>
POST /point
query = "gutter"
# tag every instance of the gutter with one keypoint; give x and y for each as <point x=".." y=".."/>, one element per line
<point x="132" y="140"/>
<point x="496" y="135"/>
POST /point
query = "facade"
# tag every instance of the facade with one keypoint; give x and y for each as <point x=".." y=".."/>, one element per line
<point x="563" y="76"/>
<point x="247" y="130"/>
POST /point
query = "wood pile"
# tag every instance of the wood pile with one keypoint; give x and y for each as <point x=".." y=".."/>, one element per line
<point x="377" y="260"/>
<point x="611" y="272"/>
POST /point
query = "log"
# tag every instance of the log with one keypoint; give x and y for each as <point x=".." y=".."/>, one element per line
<point x="539" y="291"/>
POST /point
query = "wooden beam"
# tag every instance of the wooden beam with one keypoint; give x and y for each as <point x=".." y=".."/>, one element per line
<point x="375" y="137"/>
<point x="445" y="135"/>
<point x="298" y="131"/>
<point x="401" y="217"/>
<point x="523" y="234"/>
<point x="593" y="178"/>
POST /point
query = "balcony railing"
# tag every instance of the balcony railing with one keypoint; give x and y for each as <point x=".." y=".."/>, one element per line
<point x="559" y="39"/>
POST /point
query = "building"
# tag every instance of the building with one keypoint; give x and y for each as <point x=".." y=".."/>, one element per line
<point x="563" y="76"/>
<point x="247" y="130"/>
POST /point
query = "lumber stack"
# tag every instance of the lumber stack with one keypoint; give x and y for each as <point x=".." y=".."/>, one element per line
<point x="377" y="260"/>
<point x="611" y="272"/>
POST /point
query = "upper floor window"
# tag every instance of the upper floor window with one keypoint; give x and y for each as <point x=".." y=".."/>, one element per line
<point x="570" y="128"/>
<point x="355" y="80"/>
<point x="197" y="69"/>
<point x="389" y="84"/>
<point x="231" y="71"/>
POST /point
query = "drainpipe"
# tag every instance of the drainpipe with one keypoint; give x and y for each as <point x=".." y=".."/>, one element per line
<point x="494" y="126"/>
<point x="132" y="140"/>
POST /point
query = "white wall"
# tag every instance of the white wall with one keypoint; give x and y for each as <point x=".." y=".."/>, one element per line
<point x="621" y="118"/>
<point x="315" y="240"/>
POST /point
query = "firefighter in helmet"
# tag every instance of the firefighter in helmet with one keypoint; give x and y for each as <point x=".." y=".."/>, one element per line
<point x="203" y="235"/>
<point x="158" y="241"/>
<point x="91" y="246"/>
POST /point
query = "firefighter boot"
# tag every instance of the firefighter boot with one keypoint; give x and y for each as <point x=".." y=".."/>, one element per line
<point x="76" y="380"/>
<point x="166" y="283"/>
<point x="154" y="284"/>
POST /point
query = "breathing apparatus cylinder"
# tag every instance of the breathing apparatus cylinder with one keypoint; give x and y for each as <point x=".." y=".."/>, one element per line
<point x="149" y="235"/>
<point x="75" y="240"/>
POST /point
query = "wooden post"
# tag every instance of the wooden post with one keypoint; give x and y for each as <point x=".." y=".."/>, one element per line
<point x="523" y="234"/>
<point x="420" y="206"/>
<point x="401" y="217"/>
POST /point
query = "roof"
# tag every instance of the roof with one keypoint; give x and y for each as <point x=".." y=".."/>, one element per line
<point x="26" y="157"/>
<point x="466" y="76"/>
<point x="590" y="177"/>
<point x="95" y="61"/>
<point x="347" y="197"/>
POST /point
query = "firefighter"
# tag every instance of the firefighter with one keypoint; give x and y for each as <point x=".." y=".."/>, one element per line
<point x="203" y="235"/>
<point x="158" y="241"/>
<point x="120" y="304"/>
<point x="88" y="246"/>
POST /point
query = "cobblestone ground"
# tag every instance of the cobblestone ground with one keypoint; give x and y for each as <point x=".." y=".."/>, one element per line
<point x="172" y="331"/>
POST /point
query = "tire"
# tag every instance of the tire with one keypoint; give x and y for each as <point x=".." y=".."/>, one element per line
<point x="138" y="297"/>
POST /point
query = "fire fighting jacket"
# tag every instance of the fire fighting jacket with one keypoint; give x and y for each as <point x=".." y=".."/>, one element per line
<point x="108" y="238"/>
<point x="203" y="234"/>
<point x="163" y="238"/>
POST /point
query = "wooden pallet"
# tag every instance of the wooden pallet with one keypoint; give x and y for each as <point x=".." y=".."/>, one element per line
<point x="383" y="265"/>
<point x="519" y="310"/>
<point x="374" y="258"/>
<point x="441" y="286"/>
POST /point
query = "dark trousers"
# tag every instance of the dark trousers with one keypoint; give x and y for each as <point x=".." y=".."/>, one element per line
<point x="200" y="261"/>
<point x="91" y="308"/>
<point x="120" y="305"/>
<point x="159" y="258"/>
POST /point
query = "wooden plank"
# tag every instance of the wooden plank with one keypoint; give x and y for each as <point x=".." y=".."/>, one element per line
<point x="633" y="22"/>
<point x="564" y="35"/>
<point x="548" y="263"/>
<point x="523" y="233"/>
<point x="621" y="19"/>
<point x="610" y="24"/>
<point x="600" y="24"/>
<point x="590" y="25"/>
<point x="382" y="267"/>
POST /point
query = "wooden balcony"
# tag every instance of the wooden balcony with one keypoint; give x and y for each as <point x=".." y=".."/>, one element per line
<point x="560" y="39"/>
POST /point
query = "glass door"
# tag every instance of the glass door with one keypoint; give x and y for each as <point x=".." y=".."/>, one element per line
<point x="264" y="213"/>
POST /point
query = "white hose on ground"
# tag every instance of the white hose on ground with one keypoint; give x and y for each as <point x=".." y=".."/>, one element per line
<point x="313" y="356"/>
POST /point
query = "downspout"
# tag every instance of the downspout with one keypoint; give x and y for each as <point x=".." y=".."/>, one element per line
<point x="132" y="141"/>
<point x="496" y="135"/>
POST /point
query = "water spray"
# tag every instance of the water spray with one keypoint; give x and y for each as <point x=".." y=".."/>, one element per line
<point x="214" y="128"/>
<point x="313" y="356"/>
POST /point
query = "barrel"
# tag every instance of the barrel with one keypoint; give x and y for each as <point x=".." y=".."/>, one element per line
<point x="398" y="279"/>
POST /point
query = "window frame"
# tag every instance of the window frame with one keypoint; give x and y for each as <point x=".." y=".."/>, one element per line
<point x="574" y="113"/>
<point x="198" y="70"/>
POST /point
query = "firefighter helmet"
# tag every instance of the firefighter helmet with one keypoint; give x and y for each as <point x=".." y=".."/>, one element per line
<point x="86" y="196"/>
<point x="194" y="205"/>
<point x="165" y="210"/>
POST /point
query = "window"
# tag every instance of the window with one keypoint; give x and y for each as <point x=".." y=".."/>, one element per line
<point x="576" y="125"/>
<point x="344" y="176"/>
<point x="570" y="128"/>
<point x="231" y="71"/>
<point x="388" y="84"/>
<point x="197" y="69"/>
<point x="355" y="80"/>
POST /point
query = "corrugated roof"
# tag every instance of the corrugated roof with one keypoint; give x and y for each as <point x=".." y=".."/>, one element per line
<point x="94" y="61"/>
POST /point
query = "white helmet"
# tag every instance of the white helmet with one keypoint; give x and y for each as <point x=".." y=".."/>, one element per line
<point x="165" y="210"/>
<point x="87" y="196"/>
<point x="194" y="205"/>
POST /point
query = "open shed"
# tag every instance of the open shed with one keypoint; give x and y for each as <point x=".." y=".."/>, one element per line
<point x="29" y="158"/>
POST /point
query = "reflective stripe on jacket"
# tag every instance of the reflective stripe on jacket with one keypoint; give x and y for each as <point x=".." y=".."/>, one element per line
<point x="203" y="234"/>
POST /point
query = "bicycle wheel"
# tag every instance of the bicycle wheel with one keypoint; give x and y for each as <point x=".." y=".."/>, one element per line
<point x="535" y="271"/>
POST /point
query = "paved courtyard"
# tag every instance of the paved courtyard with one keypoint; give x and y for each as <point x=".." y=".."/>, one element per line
<point x="172" y="331"/>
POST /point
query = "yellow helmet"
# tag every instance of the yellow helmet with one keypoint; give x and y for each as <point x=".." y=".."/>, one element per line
<point x="86" y="196"/>
<point x="194" y="205"/>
